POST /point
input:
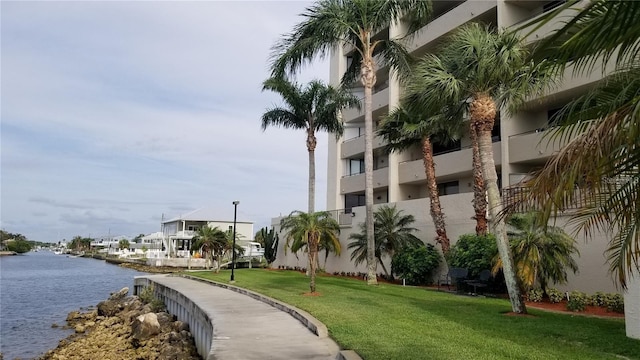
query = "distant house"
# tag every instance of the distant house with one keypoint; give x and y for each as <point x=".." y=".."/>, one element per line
<point x="179" y="232"/>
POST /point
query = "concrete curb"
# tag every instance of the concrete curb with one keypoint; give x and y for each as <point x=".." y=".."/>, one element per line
<point x="304" y="317"/>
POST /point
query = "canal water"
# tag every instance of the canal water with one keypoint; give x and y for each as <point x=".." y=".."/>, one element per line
<point x="39" y="289"/>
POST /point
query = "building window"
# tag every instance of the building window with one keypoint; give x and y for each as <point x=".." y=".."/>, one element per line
<point x="448" y="188"/>
<point x="439" y="148"/>
<point x="356" y="166"/>
<point x="193" y="227"/>
<point x="552" y="5"/>
<point x="353" y="200"/>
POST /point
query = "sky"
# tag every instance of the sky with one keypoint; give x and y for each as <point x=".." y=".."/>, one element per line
<point x="117" y="113"/>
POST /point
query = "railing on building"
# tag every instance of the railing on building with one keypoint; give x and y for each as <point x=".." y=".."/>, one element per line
<point x="344" y="217"/>
<point x="516" y="199"/>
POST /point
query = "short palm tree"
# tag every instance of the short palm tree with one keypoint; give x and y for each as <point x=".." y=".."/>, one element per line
<point x="314" y="108"/>
<point x="393" y="231"/>
<point x="335" y="23"/>
<point x="481" y="70"/>
<point x="405" y="127"/>
<point x="541" y="253"/>
<point x="211" y="241"/>
<point x="602" y="157"/>
<point x="310" y="229"/>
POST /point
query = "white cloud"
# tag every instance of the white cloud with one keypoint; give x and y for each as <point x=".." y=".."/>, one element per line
<point x="116" y="112"/>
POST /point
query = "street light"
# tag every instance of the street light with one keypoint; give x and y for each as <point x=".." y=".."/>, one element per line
<point x="233" y="250"/>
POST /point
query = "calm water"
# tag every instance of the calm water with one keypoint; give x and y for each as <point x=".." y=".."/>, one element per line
<point x="40" y="288"/>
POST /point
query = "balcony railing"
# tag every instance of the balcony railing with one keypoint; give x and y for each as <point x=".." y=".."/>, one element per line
<point x="375" y="167"/>
<point x="344" y="217"/>
<point x="516" y="199"/>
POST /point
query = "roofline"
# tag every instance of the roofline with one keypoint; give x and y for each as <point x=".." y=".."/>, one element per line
<point x="225" y="221"/>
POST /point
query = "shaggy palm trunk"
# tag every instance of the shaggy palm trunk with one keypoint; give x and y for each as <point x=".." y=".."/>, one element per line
<point x="311" y="147"/>
<point x="434" y="199"/>
<point x="368" y="78"/>
<point x="479" y="198"/>
<point x="483" y="113"/>
<point x="313" y="255"/>
<point x="218" y="257"/>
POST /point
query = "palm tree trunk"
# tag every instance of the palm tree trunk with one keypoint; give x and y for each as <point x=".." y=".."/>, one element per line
<point x="483" y="112"/>
<point x="368" y="78"/>
<point x="311" y="147"/>
<point x="313" y="254"/>
<point x="479" y="198"/>
<point x="434" y="199"/>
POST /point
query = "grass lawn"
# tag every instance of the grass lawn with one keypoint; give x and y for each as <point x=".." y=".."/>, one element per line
<point x="395" y="322"/>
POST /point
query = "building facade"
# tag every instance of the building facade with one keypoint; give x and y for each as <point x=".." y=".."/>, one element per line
<point x="399" y="178"/>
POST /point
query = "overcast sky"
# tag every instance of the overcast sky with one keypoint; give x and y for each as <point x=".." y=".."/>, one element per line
<point x="114" y="113"/>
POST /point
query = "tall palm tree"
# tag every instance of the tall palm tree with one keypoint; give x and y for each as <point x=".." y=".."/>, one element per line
<point x="212" y="242"/>
<point x="393" y="232"/>
<point x="314" y="108"/>
<point x="405" y="127"/>
<point x="602" y="127"/>
<point x="482" y="70"/>
<point x="335" y="23"/>
<point x="541" y="253"/>
<point x="310" y="229"/>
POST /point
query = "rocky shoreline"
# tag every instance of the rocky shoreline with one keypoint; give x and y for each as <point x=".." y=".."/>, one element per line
<point x="125" y="328"/>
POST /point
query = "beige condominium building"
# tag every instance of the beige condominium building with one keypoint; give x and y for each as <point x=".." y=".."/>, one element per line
<point x="399" y="178"/>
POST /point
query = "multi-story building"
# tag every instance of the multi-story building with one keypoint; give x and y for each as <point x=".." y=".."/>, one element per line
<point x="399" y="178"/>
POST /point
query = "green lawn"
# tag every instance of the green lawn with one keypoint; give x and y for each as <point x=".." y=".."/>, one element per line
<point x="395" y="322"/>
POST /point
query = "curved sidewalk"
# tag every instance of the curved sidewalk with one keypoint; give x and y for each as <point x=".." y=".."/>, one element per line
<point x="246" y="328"/>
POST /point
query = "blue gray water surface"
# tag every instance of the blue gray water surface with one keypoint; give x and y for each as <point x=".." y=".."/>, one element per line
<point x="39" y="289"/>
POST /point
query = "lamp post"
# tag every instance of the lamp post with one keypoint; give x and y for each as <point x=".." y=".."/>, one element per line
<point x="233" y="249"/>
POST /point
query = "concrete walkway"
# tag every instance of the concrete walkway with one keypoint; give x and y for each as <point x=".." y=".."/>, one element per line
<point x="246" y="328"/>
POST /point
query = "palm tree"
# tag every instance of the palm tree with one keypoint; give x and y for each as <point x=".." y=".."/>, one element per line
<point x="212" y="242"/>
<point x="405" y="127"/>
<point x="311" y="109"/>
<point x="481" y="70"/>
<point x="332" y="24"/>
<point x="602" y="127"/>
<point x="541" y="253"/>
<point x="393" y="232"/>
<point x="310" y="229"/>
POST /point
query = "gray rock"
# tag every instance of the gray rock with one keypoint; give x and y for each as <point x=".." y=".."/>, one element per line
<point x="108" y="308"/>
<point x="120" y="294"/>
<point x="145" y="326"/>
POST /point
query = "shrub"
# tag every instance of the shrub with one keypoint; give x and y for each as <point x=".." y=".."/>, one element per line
<point x="416" y="264"/>
<point x="577" y="301"/>
<point x="555" y="296"/>
<point x="598" y="299"/>
<point x="614" y="303"/>
<point x="18" y="246"/>
<point x="473" y="252"/>
<point x="147" y="296"/>
<point x="535" y="295"/>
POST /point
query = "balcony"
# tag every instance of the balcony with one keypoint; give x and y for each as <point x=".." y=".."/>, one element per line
<point x="448" y="165"/>
<point x="554" y="24"/>
<point x="380" y="100"/>
<point x="355" y="183"/>
<point x="532" y="147"/>
<point x="447" y="22"/>
<point x="355" y="146"/>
